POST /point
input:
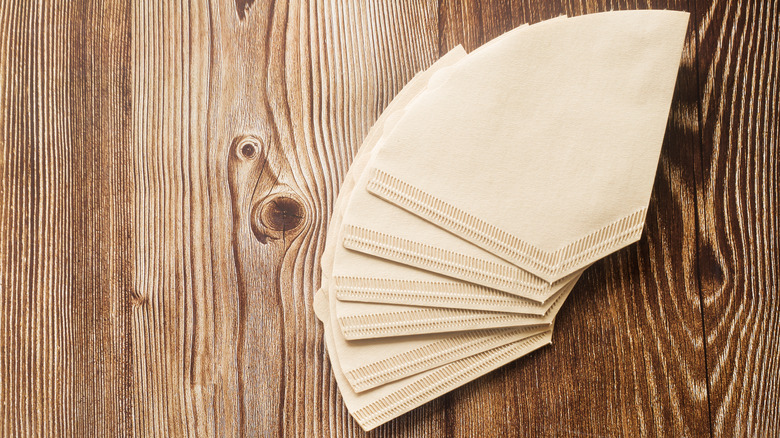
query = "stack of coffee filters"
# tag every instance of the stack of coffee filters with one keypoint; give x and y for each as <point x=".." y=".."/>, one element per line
<point x="479" y="196"/>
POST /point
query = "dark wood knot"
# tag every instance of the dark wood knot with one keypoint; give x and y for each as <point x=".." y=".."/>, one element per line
<point x="248" y="150"/>
<point x="276" y="215"/>
<point x="282" y="213"/>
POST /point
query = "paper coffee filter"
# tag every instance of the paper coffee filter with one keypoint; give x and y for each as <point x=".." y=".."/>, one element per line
<point x="543" y="148"/>
<point x="427" y="291"/>
<point x="460" y="131"/>
<point x="375" y="362"/>
<point x="367" y="321"/>
<point x="377" y="406"/>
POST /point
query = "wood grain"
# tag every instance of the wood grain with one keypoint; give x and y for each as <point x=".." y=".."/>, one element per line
<point x="65" y="247"/>
<point x="243" y="108"/>
<point x="168" y="171"/>
<point x="738" y="187"/>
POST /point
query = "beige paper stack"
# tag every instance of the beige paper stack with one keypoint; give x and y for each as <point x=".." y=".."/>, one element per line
<point x="481" y="194"/>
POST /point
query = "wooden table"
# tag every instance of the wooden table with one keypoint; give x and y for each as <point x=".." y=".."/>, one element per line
<point x="153" y="283"/>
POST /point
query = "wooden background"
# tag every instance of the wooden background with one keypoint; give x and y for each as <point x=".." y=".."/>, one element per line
<point x="156" y="280"/>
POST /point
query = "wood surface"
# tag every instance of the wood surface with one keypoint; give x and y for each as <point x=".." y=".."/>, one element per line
<point x="167" y="171"/>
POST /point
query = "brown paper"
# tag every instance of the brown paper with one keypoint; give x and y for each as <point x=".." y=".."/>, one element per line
<point x="370" y="363"/>
<point x="366" y="321"/>
<point x="543" y="148"/>
<point x="377" y="406"/>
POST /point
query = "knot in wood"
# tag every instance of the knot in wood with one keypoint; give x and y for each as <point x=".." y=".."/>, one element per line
<point x="282" y="212"/>
<point x="248" y="150"/>
<point x="247" y="147"/>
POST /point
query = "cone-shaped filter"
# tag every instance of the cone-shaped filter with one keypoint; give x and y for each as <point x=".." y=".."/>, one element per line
<point x="541" y="149"/>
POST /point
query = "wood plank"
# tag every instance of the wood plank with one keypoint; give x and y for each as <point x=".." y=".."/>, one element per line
<point x="738" y="187"/>
<point x="65" y="247"/>
<point x="176" y="341"/>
